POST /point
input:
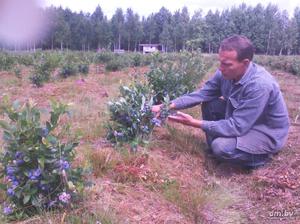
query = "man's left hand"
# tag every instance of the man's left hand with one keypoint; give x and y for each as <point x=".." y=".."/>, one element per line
<point x="185" y="119"/>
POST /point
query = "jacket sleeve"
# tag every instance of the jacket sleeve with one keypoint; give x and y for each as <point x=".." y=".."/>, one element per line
<point x="211" y="90"/>
<point x="245" y="113"/>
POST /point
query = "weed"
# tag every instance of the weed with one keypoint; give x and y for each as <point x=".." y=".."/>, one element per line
<point x="88" y="217"/>
<point x="131" y="167"/>
<point x="184" y="141"/>
<point x="102" y="160"/>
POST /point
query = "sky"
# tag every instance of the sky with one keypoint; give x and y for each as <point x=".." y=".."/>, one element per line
<point x="144" y="8"/>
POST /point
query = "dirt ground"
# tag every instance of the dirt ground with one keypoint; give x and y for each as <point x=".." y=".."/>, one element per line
<point x="172" y="180"/>
<point x="266" y="195"/>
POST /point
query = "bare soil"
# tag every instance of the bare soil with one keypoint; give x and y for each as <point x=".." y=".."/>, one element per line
<point x="172" y="180"/>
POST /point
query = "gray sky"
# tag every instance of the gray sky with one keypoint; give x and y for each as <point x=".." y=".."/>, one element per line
<point x="144" y="8"/>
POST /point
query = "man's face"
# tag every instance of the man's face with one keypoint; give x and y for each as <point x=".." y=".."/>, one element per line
<point x="230" y="66"/>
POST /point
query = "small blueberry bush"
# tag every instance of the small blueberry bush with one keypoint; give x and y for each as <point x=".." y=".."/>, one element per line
<point x="7" y="61"/>
<point x="130" y="115"/>
<point x="115" y="65"/>
<point x="42" y="69"/>
<point x="83" y="68"/>
<point x="36" y="166"/>
<point x="68" y="69"/>
<point x="103" y="57"/>
<point x="131" y="118"/>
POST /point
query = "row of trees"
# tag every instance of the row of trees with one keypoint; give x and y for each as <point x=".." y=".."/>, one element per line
<point x="270" y="29"/>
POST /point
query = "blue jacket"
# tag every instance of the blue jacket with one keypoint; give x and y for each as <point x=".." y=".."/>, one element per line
<point x="254" y="102"/>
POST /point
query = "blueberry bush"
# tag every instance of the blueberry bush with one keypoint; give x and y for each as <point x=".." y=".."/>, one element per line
<point x="131" y="118"/>
<point x="83" y="68"/>
<point x="7" y="61"/>
<point x="42" y="69"/>
<point x="176" y="77"/>
<point x="130" y="115"/>
<point x="285" y="63"/>
<point x="68" y="69"/>
<point x="36" y="165"/>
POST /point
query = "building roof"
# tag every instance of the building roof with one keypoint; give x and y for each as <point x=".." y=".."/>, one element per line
<point x="150" y="45"/>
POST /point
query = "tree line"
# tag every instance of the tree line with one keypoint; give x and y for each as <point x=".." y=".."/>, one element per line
<point x="272" y="31"/>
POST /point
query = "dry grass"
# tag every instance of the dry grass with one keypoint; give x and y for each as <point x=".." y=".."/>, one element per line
<point x="171" y="180"/>
<point x="82" y="215"/>
<point x="166" y="175"/>
<point x="103" y="160"/>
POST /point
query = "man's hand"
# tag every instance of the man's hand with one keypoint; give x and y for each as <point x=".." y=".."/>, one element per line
<point x="156" y="108"/>
<point x="185" y="119"/>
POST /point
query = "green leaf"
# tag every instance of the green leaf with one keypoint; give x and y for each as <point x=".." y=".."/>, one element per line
<point x="33" y="190"/>
<point x="7" y="136"/>
<point x="50" y="160"/>
<point x="26" y="199"/>
<point x="68" y="148"/>
<point x="36" y="202"/>
<point x="26" y="159"/>
<point x="49" y="126"/>
<point x="52" y="139"/>
<point x="18" y="193"/>
<point x="41" y="162"/>
<point x="3" y="186"/>
<point x="143" y="102"/>
<point x="44" y="182"/>
<point x="4" y="125"/>
<point x="54" y="118"/>
<point x="16" y="104"/>
<point x="5" y="99"/>
<point x="13" y="116"/>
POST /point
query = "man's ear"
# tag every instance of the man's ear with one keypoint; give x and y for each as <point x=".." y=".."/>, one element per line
<point x="246" y="61"/>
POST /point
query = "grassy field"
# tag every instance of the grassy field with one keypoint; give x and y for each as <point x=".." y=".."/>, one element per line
<point x="170" y="180"/>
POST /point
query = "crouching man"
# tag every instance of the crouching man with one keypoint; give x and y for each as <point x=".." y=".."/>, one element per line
<point x="244" y="114"/>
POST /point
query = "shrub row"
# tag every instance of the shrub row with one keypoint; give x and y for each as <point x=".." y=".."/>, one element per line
<point x="289" y="64"/>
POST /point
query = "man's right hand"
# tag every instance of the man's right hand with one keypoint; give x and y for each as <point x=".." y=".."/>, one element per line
<point x="156" y="108"/>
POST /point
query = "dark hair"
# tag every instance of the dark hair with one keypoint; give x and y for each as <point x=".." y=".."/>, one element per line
<point x="241" y="44"/>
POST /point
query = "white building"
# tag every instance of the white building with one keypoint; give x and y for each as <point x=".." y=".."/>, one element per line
<point x="150" y="48"/>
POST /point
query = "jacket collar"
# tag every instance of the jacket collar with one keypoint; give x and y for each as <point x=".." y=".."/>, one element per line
<point x="250" y="70"/>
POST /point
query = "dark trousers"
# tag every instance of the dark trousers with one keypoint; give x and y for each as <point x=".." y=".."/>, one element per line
<point x="224" y="148"/>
